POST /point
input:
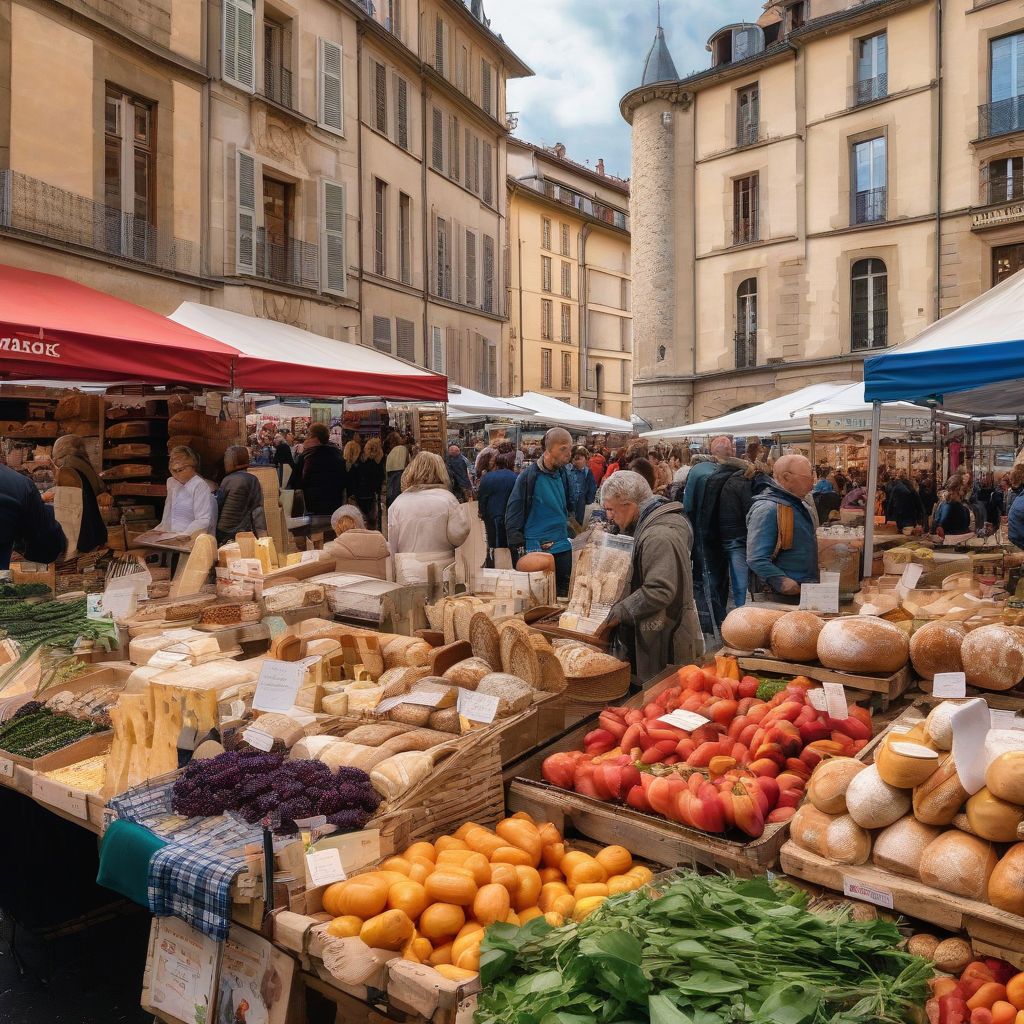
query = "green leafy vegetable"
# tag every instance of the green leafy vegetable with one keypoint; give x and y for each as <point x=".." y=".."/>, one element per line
<point x="770" y="687"/>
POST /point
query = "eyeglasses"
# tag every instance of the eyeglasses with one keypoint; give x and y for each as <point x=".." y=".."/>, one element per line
<point x="178" y="469"/>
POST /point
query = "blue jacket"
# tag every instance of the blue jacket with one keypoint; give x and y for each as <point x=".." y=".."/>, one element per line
<point x="583" y="488"/>
<point x="520" y="531"/>
<point x="25" y="522"/>
<point x="800" y="562"/>
<point x="493" y="495"/>
<point x="696" y="482"/>
<point x="1017" y="521"/>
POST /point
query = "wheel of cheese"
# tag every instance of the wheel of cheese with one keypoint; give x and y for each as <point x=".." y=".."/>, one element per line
<point x="935" y="648"/>
<point x="749" y="629"/>
<point x="899" y="847"/>
<point x="795" y="636"/>
<point x="959" y="864"/>
<point x="873" y="803"/>
<point x="828" y="785"/>
<point x="862" y="643"/>
<point x="993" y="658"/>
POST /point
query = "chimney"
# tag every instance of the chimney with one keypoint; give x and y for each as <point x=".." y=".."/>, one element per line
<point x="600" y="166"/>
<point x="560" y="150"/>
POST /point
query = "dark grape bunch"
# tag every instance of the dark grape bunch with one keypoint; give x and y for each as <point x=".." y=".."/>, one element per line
<point x="255" y="784"/>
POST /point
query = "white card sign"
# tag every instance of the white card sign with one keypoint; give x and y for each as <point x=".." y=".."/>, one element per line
<point x="1003" y="719"/>
<point x="911" y="576"/>
<point x="949" y="685"/>
<point x="835" y="701"/>
<point x="688" y="720"/>
<point x="278" y="684"/>
<point x="816" y="698"/>
<point x="324" y="867"/>
<point x="258" y="738"/>
<point x="868" y="893"/>
<point x="424" y="699"/>
<point x="830" y="579"/>
<point x="477" y="707"/>
<point x="819" y="597"/>
<point x="971" y="723"/>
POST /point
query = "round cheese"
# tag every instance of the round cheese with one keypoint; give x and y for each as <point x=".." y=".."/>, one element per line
<point x="873" y="803"/>
<point x="828" y="785"/>
<point x="863" y="644"/>
<point x="935" y="648"/>
<point x="795" y="636"/>
<point x="993" y="658"/>
<point x="749" y="628"/>
<point x="959" y="864"/>
<point x="899" y="847"/>
<point x="903" y="763"/>
<point x="939" y="724"/>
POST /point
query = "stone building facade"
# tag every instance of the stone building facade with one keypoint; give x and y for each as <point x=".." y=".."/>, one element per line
<point x="840" y="177"/>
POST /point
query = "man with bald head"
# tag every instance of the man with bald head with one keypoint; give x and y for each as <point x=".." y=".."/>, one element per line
<point x="537" y="516"/>
<point x="782" y="543"/>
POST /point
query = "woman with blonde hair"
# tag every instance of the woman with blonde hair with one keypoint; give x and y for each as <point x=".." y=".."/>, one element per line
<point x="426" y="523"/>
<point x="351" y="452"/>
<point x="366" y="479"/>
<point x="189" y="508"/>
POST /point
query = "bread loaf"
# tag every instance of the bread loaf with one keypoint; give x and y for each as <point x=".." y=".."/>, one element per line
<point x="468" y="673"/>
<point x="862" y="644"/>
<point x="938" y="799"/>
<point x="311" y="747"/>
<point x="579" y="660"/>
<point x="376" y="734"/>
<point x="794" y="637"/>
<point x="417" y="715"/>
<point x="749" y="628"/>
<point x="935" y="648"/>
<point x="447" y="721"/>
<point x="899" y="847"/>
<point x="513" y="694"/>
<point x="873" y="803"/>
<point x="394" y="777"/>
<point x="836" y="837"/>
<point x="959" y="864"/>
<point x="1006" y="883"/>
<point x="993" y="658"/>
<point x="281" y="727"/>
<point x="828" y="785"/>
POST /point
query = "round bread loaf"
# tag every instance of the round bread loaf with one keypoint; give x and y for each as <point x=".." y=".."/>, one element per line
<point x="749" y="629"/>
<point x="935" y="648"/>
<point x="795" y="636"/>
<point x="468" y="673"/>
<point x="862" y="643"/>
<point x="959" y="864"/>
<point x="536" y="561"/>
<point x="993" y="658"/>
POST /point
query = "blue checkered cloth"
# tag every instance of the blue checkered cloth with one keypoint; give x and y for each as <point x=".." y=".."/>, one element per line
<point x="193" y="885"/>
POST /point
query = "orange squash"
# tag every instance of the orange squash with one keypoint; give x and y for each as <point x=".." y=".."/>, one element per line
<point x="552" y="854"/>
<point x="346" y="927"/>
<point x="587" y="889"/>
<point x="451" y="886"/>
<point x="616" y="860"/>
<point x="529" y="914"/>
<point x="584" y="871"/>
<point x="491" y="904"/>
<point x="476" y="863"/>
<point x="469" y="960"/>
<point x="422" y="948"/>
<point x="528" y="889"/>
<point x="553" y="919"/>
<point x="549" y="835"/>
<point x="563" y="905"/>
<point x="481" y="841"/>
<point x="441" y="955"/>
<point x="512" y="855"/>
<point x="363" y="896"/>
<point x="571" y="859"/>
<point x="453" y="973"/>
<point x="470" y="941"/>
<point x="550" y="875"/>
<point x="421" y="849"/>
<point x="522" y="815"/>
<point x="441" y="921"/>
<point x="468" y="928"/>
<point x="522" y="834"/>
<point x="549" y="892"/>
<point x="506" y="875"/>
<point x="447" y="843"/>
<point x="408" y="896"/>
<point x="390" y="930"/>
<point x="644" y="874"/>
<point x="420" y="872"/>
<point x="399" y="864"/>
<point x="512" y="918"/>
<point x="623" y="883"/>
<point x="463" y="830"/>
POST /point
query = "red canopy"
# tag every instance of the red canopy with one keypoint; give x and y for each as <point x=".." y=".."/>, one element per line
<point x="55" y="328"/>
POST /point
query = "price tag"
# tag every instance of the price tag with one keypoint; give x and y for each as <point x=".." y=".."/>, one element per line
<point x="386" y="705"/>
<point x="120" y="603"/>
<point x="6" y="768"/>
<point x="477" y="707"/>
<point x="830" y="579"/>
<point x="310" y="556"/>
<point x="816" y="698"/>
<point x="62" y="797"/>
<point x="94" y="607"/>
<point x="868" y="893"/>
<point x="245" y="568"/>
<point x="424" y="699"/>
<point x="1003" y="719"/>
<point x="238" y="709"/>
<point x="258" y="738"/>
<point x="357" y="849"/>
<point x="167" y="659"/>
<point x="971" y="723"/>
<point x="912" y="576"/>
<point x="835" y="700"/>
<point x="819" y="597"/>
<point x="324" y="867"/>
<point x="278" y="684"/>
<point x="950" y="685"/>
<point x="688" y="720"/>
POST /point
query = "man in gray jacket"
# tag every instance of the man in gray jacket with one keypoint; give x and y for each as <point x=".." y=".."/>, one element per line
<point x="657" y="620"/>
<point x="239" y="498"/>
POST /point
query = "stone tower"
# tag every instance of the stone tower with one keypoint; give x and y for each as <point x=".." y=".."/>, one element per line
<point x="659" y="111"/>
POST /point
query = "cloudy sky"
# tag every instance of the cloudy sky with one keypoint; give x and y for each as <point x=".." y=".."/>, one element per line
<point x="586" y="54"/>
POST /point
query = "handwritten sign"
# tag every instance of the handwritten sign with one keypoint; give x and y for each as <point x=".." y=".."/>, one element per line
<point x="477" y="707"/>
<point x="949" y="685"/>
<point x="835" y="700"/>
<point x="258" y="738"/>
<point x="911" y="576"/>
<point x="819" y="597"/>
<point x="688" y="720"/>
<point x="278" y="684"/>
<point x="324" y="867"/>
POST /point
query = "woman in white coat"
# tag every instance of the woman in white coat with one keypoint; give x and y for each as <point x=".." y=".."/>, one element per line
<point x="190" y="505"/>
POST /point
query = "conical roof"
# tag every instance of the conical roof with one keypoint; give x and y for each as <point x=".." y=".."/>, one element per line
<point x="659" y="66"/>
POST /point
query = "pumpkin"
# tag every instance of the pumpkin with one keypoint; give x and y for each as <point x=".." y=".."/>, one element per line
<point x="446" y="843"/>
<point x="491" y="904"/>
<point x="507" y="875"/>
<point x="522" y="834"/>
<point x="525" y="916"/>
<point x="616" y="860"/>
<point x="440" y="921"/>
<point x="528" y="886"/>
<point x="994" y="819"/>
<point x="399" y="864"/>
<point x="551" y="856"/>
<point x="346" y="927"/>
<point x="586" y="907"/>
<point x="584" y="871"/>
<point x="441" y="955"/>
<point x="1006" y="883"/>
<point x="588" y="889"/>
<point x="1005" y="777"/>
<point x="390" y="930"/>
<point x="451" y="886"/>
<point x="453" y="973"/>
<point x="364" y="896"/>
<point x="467" y="942"/>
<point x="475" y="863"/>
<point x="408" y="896"/>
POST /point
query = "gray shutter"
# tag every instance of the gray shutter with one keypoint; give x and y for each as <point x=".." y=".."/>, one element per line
<point x="453" y="147"/>
<point x="439" y="45"/>
<point x="488" y="303"/>
<point x="238" y="64"/>
<point x="488" y="189"/>
<point x="330" y="98"/>
<point x="333" y="261"/>
<point x="470" y="268"/>
<point x="380" y="97"/>
<point x="476" y="165"/>
<point x="246" y="223"/>
<point x="406" y="331"/>
<point x="485" y="85"/>
<point x="437" y="361"/>
<point x="437" y="141"/>
<point x="401" y="88"/>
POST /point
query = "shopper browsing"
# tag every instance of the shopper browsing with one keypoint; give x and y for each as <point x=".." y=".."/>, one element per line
<point x="239" y="498"/>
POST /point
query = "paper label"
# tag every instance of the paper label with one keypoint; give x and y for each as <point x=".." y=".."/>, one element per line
<point x="477" y="707"/>
<point x="120" y="603"/>
<point x="63" y="797"/>
<point x="315" y="822"/>
<point x="6" y="768"/>
<point x="835" y="700"/>
<point x="278" y="684"/>
<point x="167" y="659"/>
<point x="868" y="893"/>
<point x="94" y="607"/>
<point x="1003" y="719"/>
<point x="238" y="709"/>
<point x="971" y="723"/>
<point x="258" y="738"/>
<point x="912" y="576"/>
<point x="688" y="720"/>
<point x="245" y="568"/>
<point x="426" y="700"/>
<point x="949" y="684"/>
<point x="819" y="597"/>
<point x="357" y="849"/>
<point x="324" y="867"/>
<point x="830" y="579"/>
<point x="386" y="705"/>
<point x="310" y="556"/>
<point x="816" y="698"/>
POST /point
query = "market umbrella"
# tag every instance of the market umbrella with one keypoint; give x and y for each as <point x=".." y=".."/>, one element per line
<point x="55" y="328"/>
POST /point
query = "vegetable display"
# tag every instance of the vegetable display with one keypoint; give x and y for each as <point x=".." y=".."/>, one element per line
<point x="258" y="785"/>
<point x="711" y="949"/>
<point x="988" y="991"/>
<point x="35" y="731"/>
<point x="742" y="767"/>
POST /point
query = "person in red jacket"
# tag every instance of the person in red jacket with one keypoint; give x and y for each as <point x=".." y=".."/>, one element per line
<point x="597" y="467"/>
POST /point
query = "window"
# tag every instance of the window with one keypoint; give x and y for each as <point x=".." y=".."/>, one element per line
<point x="565" y="239"/>
<point x="489" y="370"/>
<point x="129" y="175"/>
<point x="440" y="46"/>
<point x="872" y="69"/>
<point x="627" y="377"/>
<point x="406" y="331"/>
<point x="797" y="15"/>
<point x="405" y="236"/>
<point x="869" y="176"/>
<point x="237" y="50"/>
<point x="567" y="370"/>
<point x="453" y="147"/>
<point x="277" y="57"/>
<point x="488" y="304"/>
<point x="330" y="96"/>
<point x="624" y="294"/>
<point x="379" y="75"/>
<point x="486" y="86"/>
<point x="566" y="279"/>
<point x="437" y="141"/>
<point x="471" y="268"/>
<point x="745" y="210"/>
<point x="546" y="319"/>
<point x="282" y="253"/>
<point x="473" y="164"/>
<point x="546" y="233"/>
<point x="333" y="276"/>
<point x="869" y="294"/>
<point x="545" y="273"/>
<point x="566" y="323"/>
<point x="444" y="259"/>
<point x="401" y="112"/>
<point x="746" y="324"/>
<point x="1005" y="111"/>
<point x="545" y="367"/>
<point x="393" y="22"/>
<point x="437" y="361"/>
<point x="748" y="115"/>
<point x="382" y="333"/>
<point x="380" y="202"/>
<point x="1005" y="180"/>
<point x="488" y="172"/>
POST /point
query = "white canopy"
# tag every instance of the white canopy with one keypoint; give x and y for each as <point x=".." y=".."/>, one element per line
<point x="543" y="409"/>
<point x="466" y="404"/>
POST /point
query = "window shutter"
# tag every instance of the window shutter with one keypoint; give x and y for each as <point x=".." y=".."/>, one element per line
<point x="238" y="60"/>
<point x="439" y="45"/>
<point x="469" y="160"/>
<point x="401" y="88"/>
<point x="437" y="349"/>
<point x="333" y="262"/>
<point x="492" y="368"/>
<point x="476" y="166"/>
<point x="626" y="377"/>
<point x="382" y="334"/>
<point x="488" y="190"/>
<point x="437" y="140"/>
<point x="453" y="363"/>
<point x="330" y="106"/>
<point x="485" y="85"/>
<point x="406" y="332"/>
<point x="488" y="303"/>
<point x="453" y="147"/>
<point x="246" y="223"/>
<point x="380" y="97"/>
<point x="470" y="268"/>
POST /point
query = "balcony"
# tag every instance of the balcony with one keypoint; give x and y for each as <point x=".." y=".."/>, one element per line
<point x="587" y="206"/>
<point x="869" y="330"/>
<point x="277" y="86"/>
<point x="1002" y="183"/>
<point x="292" y="262"/>
<point x="868" y="90"/>
<point x="1001" y="117"/>
<point x="746" y="348"/>
<point x="748" y="133"/>
<point x="870" y="207"/>
<point x="745" y="230"/>
<point x="32" y="207"/>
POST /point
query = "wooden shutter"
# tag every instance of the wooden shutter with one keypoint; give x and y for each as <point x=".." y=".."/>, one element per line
<point x="380" y="96"/>
<point x="437" y="360"/>
<point x="437" y="141"/>
<point x="476" y="165"/>
<point x="238" y="64"/>
<point x="485" y="85"/>
<point x="333" y="261"/>
<point x="382" y="334"/>
<point x="471" y="290"/>
<point x="488" y="303"/>
<point x="330" y="99"/>
<point x="406" y="338"/>
<point x="247" y="173"/>
<point x="488" y="172"/>
<point x="401" y="90"/>
<point x="440" y="47"/>
<point x="453" y="147"/>
<point x="453" y="363"/>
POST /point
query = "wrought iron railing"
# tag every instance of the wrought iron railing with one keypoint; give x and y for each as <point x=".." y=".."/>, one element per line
<point x="746" y="230"/>
<point x="1001" y="117"/>
<point x="290" y="261"/>
<point x="33" y="207"/>
<point x="746" y="348"/>
<point x="869" y="330"/>
<point x="1002" y="182"/>
<point x="277" y="85"/>
<point x="870" y="207"/>
<point x="868" y="90"/>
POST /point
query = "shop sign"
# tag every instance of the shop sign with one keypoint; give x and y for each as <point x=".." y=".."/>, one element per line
<point x="861" y="421"/>
<point x="50" y="349"/>
<point x="993" y="218"/>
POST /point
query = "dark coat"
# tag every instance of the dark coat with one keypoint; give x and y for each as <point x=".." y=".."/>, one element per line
<point x="903" y="506"/>
<point x="322" y="476"/>
<point x="26" y="522"/>
<point x="734" y="503"/>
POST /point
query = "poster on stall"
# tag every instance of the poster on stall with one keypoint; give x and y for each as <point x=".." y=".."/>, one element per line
<point x="181" y="973"/>
<point x="255" y="981"/>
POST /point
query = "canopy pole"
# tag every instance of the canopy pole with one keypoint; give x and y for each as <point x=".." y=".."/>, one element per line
<point x="869" y="510"/>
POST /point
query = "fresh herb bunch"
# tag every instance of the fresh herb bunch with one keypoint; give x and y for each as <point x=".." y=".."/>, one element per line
<point x="37" y="732"/>
<point x="707" y="950"/>
<point x="770" y="687"/>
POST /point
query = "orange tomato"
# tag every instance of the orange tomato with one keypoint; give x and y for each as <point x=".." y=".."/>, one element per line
<point x="1015" y="991"/>
<point x="987" y="996"/>
<point x="1003" y="1012"/>
<point x="943" y="986"/>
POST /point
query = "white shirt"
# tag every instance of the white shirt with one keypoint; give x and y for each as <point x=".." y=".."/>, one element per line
<point x="188" y="508"/>
<point x="679" y="477"/>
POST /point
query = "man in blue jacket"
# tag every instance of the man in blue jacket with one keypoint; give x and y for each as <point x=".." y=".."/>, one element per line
<point x="582" y="485"/>
<point x="782" y="544"/>
<point x="537" y="517"/>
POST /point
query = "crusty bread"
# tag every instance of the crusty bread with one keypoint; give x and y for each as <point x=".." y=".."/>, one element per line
<point x="579" y="660"/>
<point x="993" y="658"/>
<point x="935" y="648"/>
<point x="794" y="637"/>
<point x="862" y="643"/>
<point x="749" y="628"/>
<point x="468" y="673"/>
